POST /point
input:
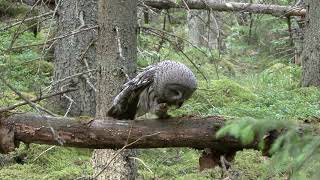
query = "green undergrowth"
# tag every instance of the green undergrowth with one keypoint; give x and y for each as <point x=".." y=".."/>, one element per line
<point x="273" y="93"/>
<point x="166" y="163"/>
<point x="23" y="67"/>
<point x="12" y="9"/>
<point x="45" y="162"/>
<point x="182" y="164"/>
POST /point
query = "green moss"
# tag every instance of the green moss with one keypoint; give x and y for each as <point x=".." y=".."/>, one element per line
<point x="278" y="67"/>
<point x="44" y="67"/>
<point x="84" y="119"/>
<point x="18" y="171"/>
<point x="217" y="93"/>
<point x="9" y="8"/>
<point x="307" y="92"/>
<point x="27" y="95"/>
<point x="251" y="165"/>
<point x="205" y="175"/>
<point x="43" y="162"/>
<point x="221" y="92"/>
<point x="230" y="68"/>
<point x="281" y="75"/>
<point x="8" y="98"/>
<point x="168" y="163"/>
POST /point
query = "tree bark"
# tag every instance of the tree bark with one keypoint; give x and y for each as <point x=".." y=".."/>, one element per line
<point x="194" y="132"/>
<point x="75" y="54"/>
<point x="116" y="58"/>
<point x="311" y="49"/>
<point x="213" y="5"/>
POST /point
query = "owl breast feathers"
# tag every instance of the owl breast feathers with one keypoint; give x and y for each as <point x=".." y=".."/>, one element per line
<point x="156" y="88"/>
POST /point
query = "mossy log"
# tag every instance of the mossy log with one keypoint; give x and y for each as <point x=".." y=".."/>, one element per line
<point x="88" y="132"/>
<point x="275" y="10"/>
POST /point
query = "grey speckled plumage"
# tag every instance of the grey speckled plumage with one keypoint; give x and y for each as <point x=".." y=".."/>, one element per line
<point x="156" y="88"/>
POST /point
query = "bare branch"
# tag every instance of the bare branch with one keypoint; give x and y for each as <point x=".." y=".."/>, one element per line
<point x="16" y="33"/>
<point x="153" y="31"/>
<point x="56" y="38"/>
<point x="26" y="20"/>
<point x="32" y="104"/>
<point x="35" y="100"/>
<point x="72" y="76"/>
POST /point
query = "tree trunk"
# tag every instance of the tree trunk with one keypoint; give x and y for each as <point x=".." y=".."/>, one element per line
<point x="116" y="58"/>
<point x="147" y="15"/>
<point x="297" y="33"/>
<point x="311" y="50"/>
<point x="76" y="54"/>
<point x="203" y="28"/>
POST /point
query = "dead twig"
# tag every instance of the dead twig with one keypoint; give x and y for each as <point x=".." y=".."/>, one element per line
<point x="26" y="20"/>
<point x="70" y="77"/>
<point x="54" y="39"/>
<point x="180" y="50"/>
<point x="153" y="30"/>
<point x="82" y="58"/>
<point x="120" y="52"/>
<point x="16" y="33"/>
<point x="145" y="165"/>
<point x="70" y="100"/>
<point x="35" y="100"/>
<point x="197" y="68"/>
<point x="43" y="152"/>
<point x="32" y="104"/>
<point x="49" y="31"/>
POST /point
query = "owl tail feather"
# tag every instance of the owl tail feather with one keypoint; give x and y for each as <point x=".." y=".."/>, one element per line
<point x="113" y="112"/>
<point x="119" y="112"/>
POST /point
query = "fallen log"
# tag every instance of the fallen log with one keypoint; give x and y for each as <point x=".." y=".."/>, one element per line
<point x="85" y="132"/>
<point x="275" y="10"/>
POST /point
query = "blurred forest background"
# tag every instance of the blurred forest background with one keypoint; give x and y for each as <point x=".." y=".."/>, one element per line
<point x="248" y="68"/>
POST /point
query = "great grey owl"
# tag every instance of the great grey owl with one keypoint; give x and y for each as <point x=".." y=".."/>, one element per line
<point x="156" y="88"/>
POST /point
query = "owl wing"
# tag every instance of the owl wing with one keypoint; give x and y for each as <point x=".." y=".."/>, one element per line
<point x="125" y="103"/>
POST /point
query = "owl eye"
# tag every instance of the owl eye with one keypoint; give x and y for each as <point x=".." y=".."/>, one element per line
<point x="176" y="93"/>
